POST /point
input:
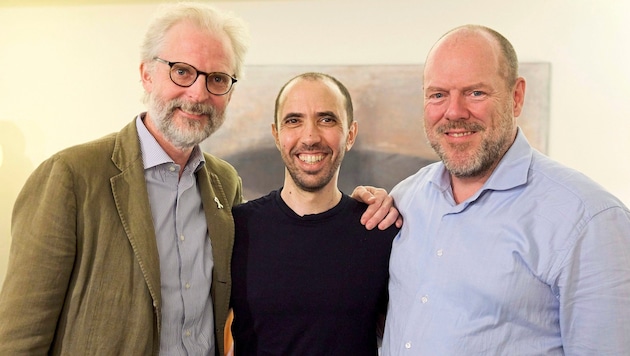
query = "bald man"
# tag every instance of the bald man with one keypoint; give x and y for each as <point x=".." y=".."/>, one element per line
<point x="503" y="251"/>
<point x="308" y="278"/>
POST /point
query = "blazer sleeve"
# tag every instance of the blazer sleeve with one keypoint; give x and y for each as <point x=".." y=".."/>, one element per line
<point x="41" y="259"/>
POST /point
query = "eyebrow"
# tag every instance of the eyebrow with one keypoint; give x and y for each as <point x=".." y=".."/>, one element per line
<point x="480" y="85"/>
<point x="466" y="88"/>
<point x="319" y="114"/>
<point x="326" y="113"/>
<point x="292" y="115"/>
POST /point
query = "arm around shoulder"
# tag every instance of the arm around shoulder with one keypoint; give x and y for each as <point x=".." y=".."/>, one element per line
<point x="381" y="211"/>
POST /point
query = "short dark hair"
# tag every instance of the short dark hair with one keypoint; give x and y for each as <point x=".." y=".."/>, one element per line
<point x="313" y="76"/>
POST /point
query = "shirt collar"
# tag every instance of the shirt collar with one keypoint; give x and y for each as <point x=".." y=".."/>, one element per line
<point x="513" y="169"/>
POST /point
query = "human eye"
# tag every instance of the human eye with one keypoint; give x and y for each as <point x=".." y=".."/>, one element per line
<point x="291" y="121"/>
<point x="328" y="118"/>
<point x="182" y="71"/>
<point x="477" y="93"/>
<point x="435" y="95"/>
<point x="218" y="78"/>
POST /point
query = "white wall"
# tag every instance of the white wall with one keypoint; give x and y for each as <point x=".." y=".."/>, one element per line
<point x="69" y="74"/>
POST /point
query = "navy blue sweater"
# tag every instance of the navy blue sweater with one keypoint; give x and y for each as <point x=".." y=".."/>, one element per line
<point x="311" y="285"/>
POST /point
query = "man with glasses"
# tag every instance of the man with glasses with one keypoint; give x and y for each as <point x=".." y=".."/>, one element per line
<point x="185" y="75"/>
<point x="122" y="246"/>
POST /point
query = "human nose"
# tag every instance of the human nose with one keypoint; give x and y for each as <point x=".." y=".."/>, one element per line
<point x="198" y="91"/>
<point x="311" y="133"/>
<point x="456" y="109"/>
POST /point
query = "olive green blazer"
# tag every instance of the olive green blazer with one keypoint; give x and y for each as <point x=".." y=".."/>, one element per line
<point x="84" y="274"/>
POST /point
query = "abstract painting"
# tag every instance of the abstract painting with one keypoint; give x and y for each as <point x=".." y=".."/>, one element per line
<point x="388" y="101"/>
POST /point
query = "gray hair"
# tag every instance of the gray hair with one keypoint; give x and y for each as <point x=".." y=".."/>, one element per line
<point x="204" y="16"/>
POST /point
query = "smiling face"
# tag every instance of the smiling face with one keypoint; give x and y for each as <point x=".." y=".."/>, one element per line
<point x="183" y="117"/>
<point x="312" y="133"/>
<point x="469" y="110"/>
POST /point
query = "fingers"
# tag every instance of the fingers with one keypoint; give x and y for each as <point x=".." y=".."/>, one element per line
<point x="392" y="217"/>
<point x="363" y="194"/>
<point x="372" y="216"/>
<point x="379" y="209"/>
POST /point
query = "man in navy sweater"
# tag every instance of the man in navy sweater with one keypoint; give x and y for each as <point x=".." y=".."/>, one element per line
<point x="308" y="278"/>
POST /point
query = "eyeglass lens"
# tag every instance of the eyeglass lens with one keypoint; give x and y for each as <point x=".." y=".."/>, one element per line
<point x="185" y="75"/>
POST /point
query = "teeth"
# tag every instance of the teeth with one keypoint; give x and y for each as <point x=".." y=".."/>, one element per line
<point x="310" y="158"/>
<point x="461" y="134"/>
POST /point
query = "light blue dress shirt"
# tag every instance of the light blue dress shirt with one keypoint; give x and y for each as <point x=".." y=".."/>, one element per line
<point x="184" y="249"/>
<point x="535" y="263"/>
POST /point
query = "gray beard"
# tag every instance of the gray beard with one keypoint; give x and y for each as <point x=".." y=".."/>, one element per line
<point x="487" y="155"/>
<point x="483" y="160"/>
<point x="184" y="137"/>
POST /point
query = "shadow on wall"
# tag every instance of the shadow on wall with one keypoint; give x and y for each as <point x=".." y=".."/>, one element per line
<point x="14" y="169"/>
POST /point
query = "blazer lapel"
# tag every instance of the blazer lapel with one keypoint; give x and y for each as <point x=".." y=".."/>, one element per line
<point x="219" y="219"/>
<point x="132" y="201"/>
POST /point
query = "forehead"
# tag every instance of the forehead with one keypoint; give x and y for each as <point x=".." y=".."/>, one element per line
<point x="463" y="58"/>
<point x="187" y="42"/>
<point x="306" y="94"/>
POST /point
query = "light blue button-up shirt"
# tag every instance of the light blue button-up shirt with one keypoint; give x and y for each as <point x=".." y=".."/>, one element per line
<point x="184" y="249"/>
<point x="536" y="263"/>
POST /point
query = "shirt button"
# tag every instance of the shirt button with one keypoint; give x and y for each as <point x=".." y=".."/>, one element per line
<point x="187" y="332"/>
<point x="424" y="299"/>
<point x="407" y="345"/>
<point x="440" y="252"/>
<point x="187" y="285"/>
<point x="182" y="237"/>
<point x="171" y="168"/>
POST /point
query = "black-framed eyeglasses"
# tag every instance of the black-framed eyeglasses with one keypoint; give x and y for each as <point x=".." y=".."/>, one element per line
<point x="185" y="75"/>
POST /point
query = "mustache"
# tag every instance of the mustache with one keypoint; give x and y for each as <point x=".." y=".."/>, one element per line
<point x="194" y="108"/>
<point x="459" y="125"/>
<point x="315" y="147"/>
<point x="305" y="148"/>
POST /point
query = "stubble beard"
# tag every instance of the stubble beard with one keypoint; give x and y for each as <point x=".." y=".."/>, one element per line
<point x="192" y="132"/>
<point x="303" y="180"/>
<point x="464" y="164"/>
